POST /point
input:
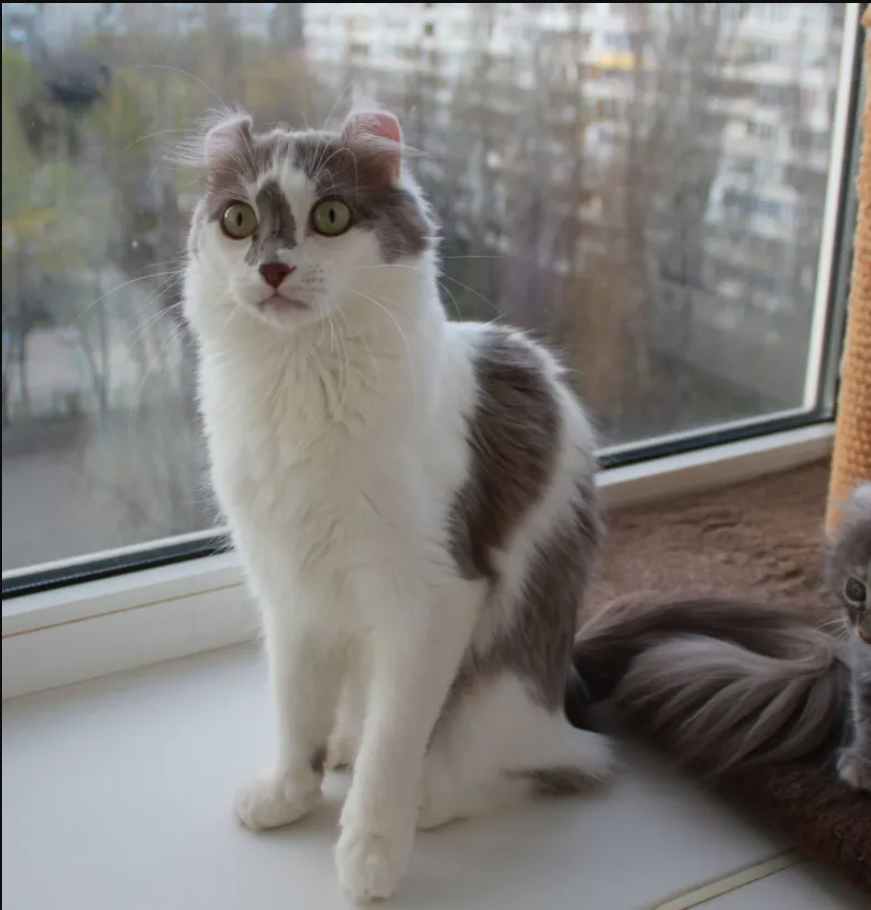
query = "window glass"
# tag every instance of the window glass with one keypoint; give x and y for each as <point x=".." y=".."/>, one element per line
<point x="642" y="185"/>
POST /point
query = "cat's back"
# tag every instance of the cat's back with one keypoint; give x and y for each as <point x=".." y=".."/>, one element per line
<point x="511" y="393"/>
<point x="526" y="444"/>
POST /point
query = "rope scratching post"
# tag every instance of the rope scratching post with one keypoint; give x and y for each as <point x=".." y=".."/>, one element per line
<point x="851" y="461"/>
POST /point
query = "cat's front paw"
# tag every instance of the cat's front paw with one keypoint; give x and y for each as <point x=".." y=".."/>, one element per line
<point x="854" y="770"/>
<point x="371" y="864"/>
<point x="271" y="802"/>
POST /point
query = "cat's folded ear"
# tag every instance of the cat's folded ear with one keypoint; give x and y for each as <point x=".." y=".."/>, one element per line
<point x="379" y="131"/>
<point x="229" y="136"/>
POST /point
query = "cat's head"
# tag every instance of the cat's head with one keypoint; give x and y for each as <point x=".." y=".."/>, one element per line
<point x="849" y="562"/>
<point x="295" y="226"/>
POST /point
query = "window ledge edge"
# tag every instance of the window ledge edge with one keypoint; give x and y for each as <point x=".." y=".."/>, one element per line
<point x="55" y="638"/>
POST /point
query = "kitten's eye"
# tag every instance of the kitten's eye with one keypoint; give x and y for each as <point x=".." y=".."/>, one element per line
<point x="855" y="591"/>
<point x="331" y="217"/>
<point x="239" y="221"/>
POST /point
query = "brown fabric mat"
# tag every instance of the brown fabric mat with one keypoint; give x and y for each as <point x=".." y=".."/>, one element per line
<point x="762" y="539"/>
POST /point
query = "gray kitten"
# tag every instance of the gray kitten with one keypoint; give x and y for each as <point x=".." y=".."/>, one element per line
<point x="725" y="684"/>
<point x="849" y="576"/>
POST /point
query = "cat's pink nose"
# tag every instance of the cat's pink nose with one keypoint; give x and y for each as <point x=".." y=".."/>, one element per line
<point x="274" y="273"/>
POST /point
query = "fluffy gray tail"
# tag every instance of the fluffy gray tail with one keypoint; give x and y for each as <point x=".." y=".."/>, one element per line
<point x="721" y="684"/>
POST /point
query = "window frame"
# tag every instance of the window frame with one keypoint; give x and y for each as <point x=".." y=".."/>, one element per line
<point x="120" y="622"/>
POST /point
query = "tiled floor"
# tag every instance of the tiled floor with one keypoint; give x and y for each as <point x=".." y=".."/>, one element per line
<point x="116" y="796"/>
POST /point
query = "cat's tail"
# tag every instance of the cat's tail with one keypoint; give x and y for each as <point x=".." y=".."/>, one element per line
<point x="720" y="683"/>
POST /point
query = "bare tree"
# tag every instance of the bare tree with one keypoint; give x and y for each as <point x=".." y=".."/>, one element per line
<point x="692" y="80"/>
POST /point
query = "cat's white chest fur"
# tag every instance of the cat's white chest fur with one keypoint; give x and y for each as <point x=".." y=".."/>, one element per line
<point x="314" y="501"/>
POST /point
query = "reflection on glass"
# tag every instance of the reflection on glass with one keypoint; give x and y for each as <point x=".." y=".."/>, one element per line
<point x="642" y="184"/>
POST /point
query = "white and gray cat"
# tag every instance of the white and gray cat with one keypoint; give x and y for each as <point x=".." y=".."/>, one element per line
<point x="413" y="499"/>
<point x="725" y="684"/>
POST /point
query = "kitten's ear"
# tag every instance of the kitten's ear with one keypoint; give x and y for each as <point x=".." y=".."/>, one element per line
<point x="381" y="131"/>
<point x="229" y="137"/>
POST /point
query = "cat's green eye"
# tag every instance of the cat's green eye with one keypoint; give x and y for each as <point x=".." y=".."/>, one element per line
<point x="855" y="591"/>
<point x="239" y="221"/>
<point x="331" y="217"/>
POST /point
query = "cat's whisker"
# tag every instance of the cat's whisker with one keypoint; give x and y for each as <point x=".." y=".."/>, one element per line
<point x="833" y="622"/>
<point x="457" y="311"/>
<point x="154" y="135"/>
<point x="471" y="290"/>
<point x="178" y="261"/>
<point x="838" y="628"/>
<point x="344" y="383"/>
<point x="442" y="277"/>
<point x="339" y="98"/>
<point x="359" y="337"/>
<point x="346" y="341"/>
<point x="115" y="290"/>
<point x="349" y="333"/>
<point x="139" y="330"/>
<point x="179" y="71"/>
<point x="323" y="322"/>
<point x="420" y="271"/>
<point x="328" y="319"/>
<point x="323" y="142"/>
<point x="398" y="328"/>
<point x="383" y="306"/>
<point x="330" y="157"/>
<point x="156" y="360"/>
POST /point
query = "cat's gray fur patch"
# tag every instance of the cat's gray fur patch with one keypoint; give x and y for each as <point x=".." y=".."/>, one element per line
<point x="540" y="644"/>
<point x="514" y="435"/>
<point x="276" y="228"/>
<point x="230" y="177"/>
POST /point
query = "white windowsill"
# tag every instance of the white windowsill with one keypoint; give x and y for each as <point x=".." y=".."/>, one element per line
<point x="96" y="628"/>
<point x="136" y="816"/>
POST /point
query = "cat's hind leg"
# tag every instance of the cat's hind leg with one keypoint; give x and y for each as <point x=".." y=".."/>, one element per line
<point x="497" y="746"/>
